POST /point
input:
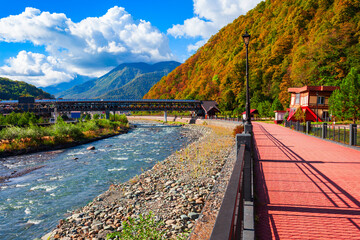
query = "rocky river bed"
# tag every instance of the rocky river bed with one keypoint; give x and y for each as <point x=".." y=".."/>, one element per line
<point x="174" y="190"/>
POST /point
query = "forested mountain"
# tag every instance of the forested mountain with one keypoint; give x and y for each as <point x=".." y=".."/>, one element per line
<point x="293" y="43"/>
<point x="12" y="90"/>
<point x="128" y="80"/>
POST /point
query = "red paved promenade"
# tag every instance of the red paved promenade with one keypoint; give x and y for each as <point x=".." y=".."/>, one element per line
<point x="306" y="188"/>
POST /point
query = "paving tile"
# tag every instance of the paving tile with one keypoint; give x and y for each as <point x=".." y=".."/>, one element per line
<point x="306" y="188"/>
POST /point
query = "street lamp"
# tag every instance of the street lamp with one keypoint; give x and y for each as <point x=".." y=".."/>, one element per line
<point x="247" y="126"/>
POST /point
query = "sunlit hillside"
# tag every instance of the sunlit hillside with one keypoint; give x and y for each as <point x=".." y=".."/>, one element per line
<point x="293" y="43"/>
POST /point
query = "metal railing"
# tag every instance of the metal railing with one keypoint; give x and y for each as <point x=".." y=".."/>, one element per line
<point x="347" y="134"/>
<point x="230" y="119"/>
<point x="229" y="222"/>
<point x="297" y="126"/>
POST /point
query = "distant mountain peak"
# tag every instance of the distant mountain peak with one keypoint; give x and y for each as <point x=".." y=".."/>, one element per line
<point x="128" y="80"/>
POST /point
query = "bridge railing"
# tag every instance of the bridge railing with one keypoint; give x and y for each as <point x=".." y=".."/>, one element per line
<point x="346" y="134"/>
<point x="229" y="221"/>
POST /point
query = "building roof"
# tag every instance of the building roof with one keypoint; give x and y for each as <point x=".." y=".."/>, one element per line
<point x="209" y="105"/>
<point x="313" y="89"/>
<point x="252" y="111"/>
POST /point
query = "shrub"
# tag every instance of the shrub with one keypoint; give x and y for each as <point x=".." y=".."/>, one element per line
<point x="238" y="129"/>
<point x="88" y="126"/>
<point x="122" y="118"/>
<point x="11" y="133"/>
<point x="87" y="117"/>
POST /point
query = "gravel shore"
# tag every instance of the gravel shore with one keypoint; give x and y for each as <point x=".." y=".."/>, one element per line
<point x="175" y="190"/>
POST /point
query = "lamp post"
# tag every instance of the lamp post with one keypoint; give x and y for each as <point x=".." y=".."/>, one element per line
<point x="247" y="126"/>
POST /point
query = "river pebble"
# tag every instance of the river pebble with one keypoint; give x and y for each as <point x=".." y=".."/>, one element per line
<point x="175" y="195"/>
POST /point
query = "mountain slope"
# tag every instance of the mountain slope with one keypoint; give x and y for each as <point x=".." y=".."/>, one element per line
<point x="57" y="88"/>
<point x="293" y="43"/>
<point x="12" y="90"/>
<point x="128" y="80"/>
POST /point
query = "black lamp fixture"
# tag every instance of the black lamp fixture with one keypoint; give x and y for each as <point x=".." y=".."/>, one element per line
<point x="246" y="38"/>
<point x="248" y="126"/>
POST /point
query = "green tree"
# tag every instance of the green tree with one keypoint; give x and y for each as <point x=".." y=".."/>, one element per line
<point x="276" y="106"/>
<point x="299" y="115"/>
<point x="23" y="121"/>
<point x="345" y="102"/>
<point x="264" y="109"/>
<point x="96" y="116"/>
<point x="87" y="117"/>
<point x="2" y="120"/>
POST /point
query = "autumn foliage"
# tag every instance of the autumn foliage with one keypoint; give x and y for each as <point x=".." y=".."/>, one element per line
<point x="293" y="43"/>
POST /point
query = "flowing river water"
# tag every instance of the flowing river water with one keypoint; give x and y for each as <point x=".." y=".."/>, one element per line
<point x="32" y="204"/>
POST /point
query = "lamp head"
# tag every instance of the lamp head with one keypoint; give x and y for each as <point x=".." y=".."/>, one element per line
<point x="246" y="38"/>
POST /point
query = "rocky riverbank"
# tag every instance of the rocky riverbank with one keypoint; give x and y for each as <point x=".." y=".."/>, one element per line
<point x="175" y="190"/>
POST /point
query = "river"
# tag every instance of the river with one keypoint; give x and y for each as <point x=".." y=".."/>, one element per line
<point x="31" y="205"/>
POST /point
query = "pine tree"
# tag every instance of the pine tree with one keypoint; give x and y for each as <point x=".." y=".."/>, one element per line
<point x="345" y="102"/>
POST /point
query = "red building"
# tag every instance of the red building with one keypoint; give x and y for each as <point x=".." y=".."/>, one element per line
<point x="313" y="100"/>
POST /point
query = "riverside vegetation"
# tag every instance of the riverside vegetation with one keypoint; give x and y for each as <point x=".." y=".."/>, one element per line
<point x="28" y="137"/>
<point x="162" y="203"/>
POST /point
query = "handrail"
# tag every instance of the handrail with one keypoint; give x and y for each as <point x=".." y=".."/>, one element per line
<point x="229" y="221"/>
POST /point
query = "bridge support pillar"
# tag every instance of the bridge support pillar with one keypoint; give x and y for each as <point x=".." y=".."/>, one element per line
<point x="107" y="114"/>
<point x="56" y="115"/>
<point x="165" y="116"/>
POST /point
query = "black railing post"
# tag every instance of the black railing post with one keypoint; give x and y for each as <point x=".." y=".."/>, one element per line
<point x="324" y="130"/>
<point x="308" y="127"/>
<point x="352" y="135"/>
<point x="344" y="135"/>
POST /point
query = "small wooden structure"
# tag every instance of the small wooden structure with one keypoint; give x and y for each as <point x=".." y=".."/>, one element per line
<point x="279" y="116"/>
<point x="210" y="108"/>
<point x="252" y="113"/>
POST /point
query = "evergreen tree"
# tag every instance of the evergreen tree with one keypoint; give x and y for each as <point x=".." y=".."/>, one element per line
<point x="345" y="102"/>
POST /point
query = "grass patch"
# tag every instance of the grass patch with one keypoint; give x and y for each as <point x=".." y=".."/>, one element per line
<point x="145" y="227"/>
<point x="197" y="160"/>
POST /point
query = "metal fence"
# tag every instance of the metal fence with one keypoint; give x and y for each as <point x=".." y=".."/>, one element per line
<point x="347" y="134"/>
<point x="300" y="127"/>
<point x="230" y="119"/>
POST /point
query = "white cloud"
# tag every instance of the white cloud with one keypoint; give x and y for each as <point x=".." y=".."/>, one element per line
<point x="194" y="47"/>
<point x="210" y="17"/>
<point x="36" y="69"/>
<point x="90" y="47"/>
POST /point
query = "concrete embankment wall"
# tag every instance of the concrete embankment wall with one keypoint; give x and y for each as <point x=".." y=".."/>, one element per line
<point x="212" y="122"/>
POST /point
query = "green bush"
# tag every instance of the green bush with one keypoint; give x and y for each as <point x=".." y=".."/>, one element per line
<point x="146" y="227"/>
<point x="88" y="126"/>
<point x="60" y="131"/>
<point x="12" y="132"/>
<point x="19" y="119"/>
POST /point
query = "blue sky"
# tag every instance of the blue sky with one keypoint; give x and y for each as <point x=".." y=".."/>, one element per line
<point x="45" y="42"/>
